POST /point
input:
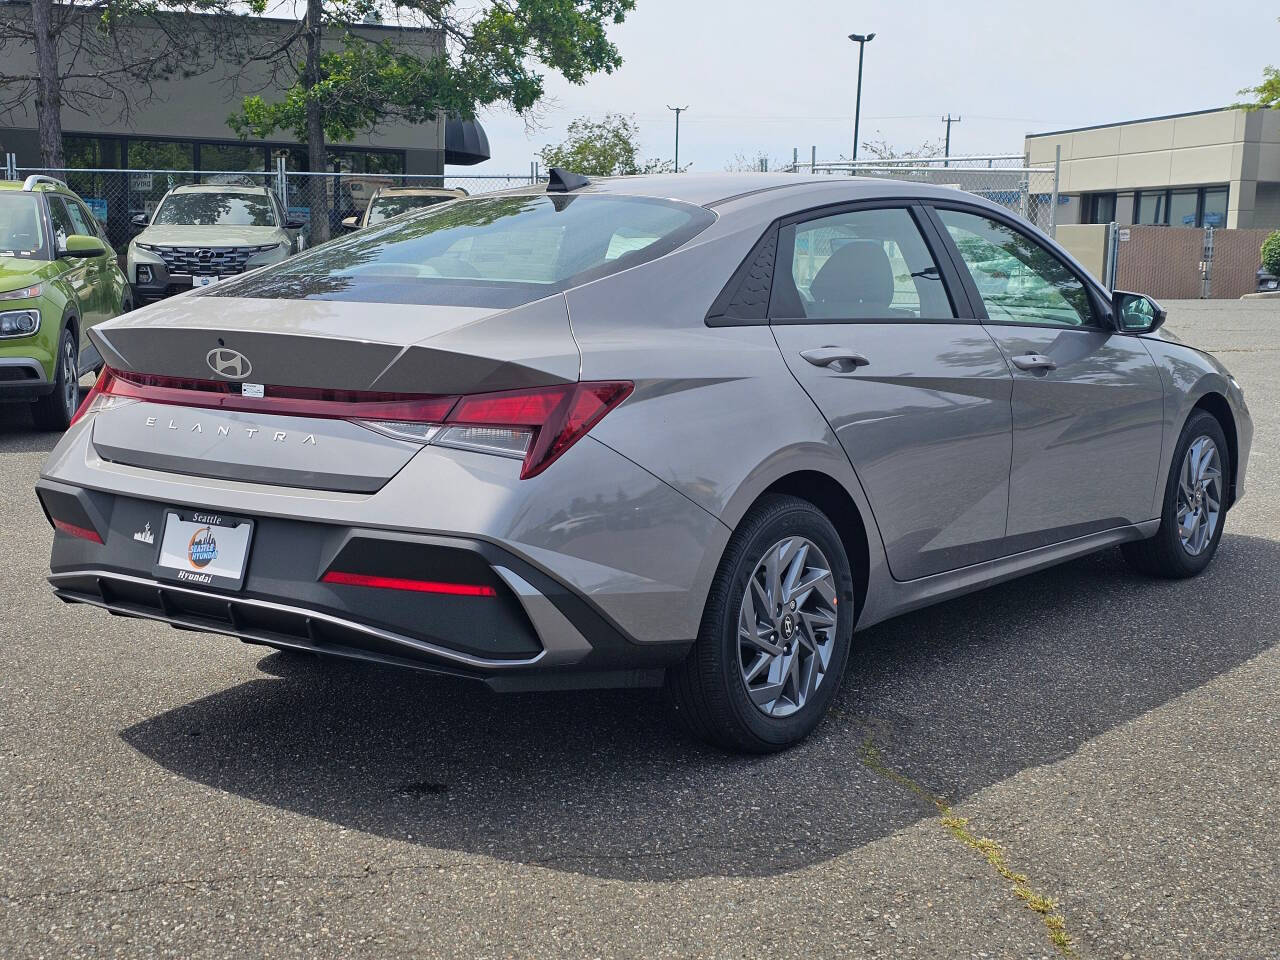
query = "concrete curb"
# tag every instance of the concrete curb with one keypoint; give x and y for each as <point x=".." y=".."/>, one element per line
<point x="1268" y="295"/>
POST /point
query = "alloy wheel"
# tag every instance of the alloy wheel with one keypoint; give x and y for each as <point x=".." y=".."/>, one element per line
<point x="70" y="379"/>
<point x="787" y="626"/>
<point x="1199" y="495"/>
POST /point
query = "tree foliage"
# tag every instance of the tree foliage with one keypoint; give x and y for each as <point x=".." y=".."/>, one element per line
<point x="603" y="148"/>
<point x="493" y="53"/>
<point x="1271" y="254"/>
<point x="1265" y="94"/>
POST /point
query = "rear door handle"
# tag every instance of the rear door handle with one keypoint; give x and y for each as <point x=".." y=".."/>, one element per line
<point x="840" y="359"/>
<point x="1034" y="361"/>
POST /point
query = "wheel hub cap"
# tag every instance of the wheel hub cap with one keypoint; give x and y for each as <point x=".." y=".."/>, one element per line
<point x="786" y="626"/>
<point x="1199" y="495"/>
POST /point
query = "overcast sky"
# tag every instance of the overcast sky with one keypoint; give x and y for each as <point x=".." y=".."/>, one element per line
<point x="770" y="76"/>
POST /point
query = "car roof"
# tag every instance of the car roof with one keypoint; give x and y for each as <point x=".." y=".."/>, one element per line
<point x="748" y="189"/>
<point x="218" y="188"/>
<point x="43" y="186"/>
<point x="420" y="192"/>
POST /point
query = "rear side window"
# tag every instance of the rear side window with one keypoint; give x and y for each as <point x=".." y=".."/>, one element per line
<point x="859" y="265"/>
<point x="487" y="251"/>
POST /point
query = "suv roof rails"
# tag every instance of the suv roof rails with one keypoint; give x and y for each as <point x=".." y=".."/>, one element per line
<point x="562" y="181"/>
<point x="31" y="181"/>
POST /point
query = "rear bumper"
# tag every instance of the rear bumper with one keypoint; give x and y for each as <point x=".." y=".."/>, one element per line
<point x="533" y="632"/>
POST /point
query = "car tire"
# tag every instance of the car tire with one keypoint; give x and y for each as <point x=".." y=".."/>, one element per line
<point x="1199" y="478"/>
<point x="714" y="692"/>
<point x="55" y="410"/>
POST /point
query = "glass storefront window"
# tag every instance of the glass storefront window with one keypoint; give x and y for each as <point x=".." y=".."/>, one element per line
<point x="1151" y="208"/>
<point x="1215" y="207"/>
<point x="1183" y="207"/>
<point x="232" y="156"/>
<point x="1102" y="208"/>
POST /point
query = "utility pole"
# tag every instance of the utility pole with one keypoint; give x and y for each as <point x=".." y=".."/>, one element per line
<point x="861" y="39"/>
<point x="678" y="111"/>
<point x="946" y="152"/>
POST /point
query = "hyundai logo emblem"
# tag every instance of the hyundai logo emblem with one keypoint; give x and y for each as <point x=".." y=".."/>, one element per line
<point x="229" y="363"/>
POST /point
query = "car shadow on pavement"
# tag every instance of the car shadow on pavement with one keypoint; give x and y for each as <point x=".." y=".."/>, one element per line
<point x="957" y="698"/>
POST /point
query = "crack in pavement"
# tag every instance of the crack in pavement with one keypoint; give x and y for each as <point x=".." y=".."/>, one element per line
<point x="958" y="827"/>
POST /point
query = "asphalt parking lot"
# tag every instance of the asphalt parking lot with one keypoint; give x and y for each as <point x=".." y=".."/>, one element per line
<point x="1082" y="762"/>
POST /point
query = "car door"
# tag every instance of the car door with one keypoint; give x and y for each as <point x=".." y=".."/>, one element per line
<point x="1087" y="400"/>
<point x="913" y="386"/>
<point x="79" y="272"/>
<point x="106" y="293"/>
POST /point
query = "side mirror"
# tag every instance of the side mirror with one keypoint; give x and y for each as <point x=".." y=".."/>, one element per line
<point x="1136" y="312"/>
<point x="294" y="224"/>
<point x="351" y="223"/>
<point x="140" y="220"/>
<point x="80" y="245"/>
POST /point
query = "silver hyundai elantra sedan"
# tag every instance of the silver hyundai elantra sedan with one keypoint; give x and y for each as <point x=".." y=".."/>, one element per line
<point x="691" y="431"/>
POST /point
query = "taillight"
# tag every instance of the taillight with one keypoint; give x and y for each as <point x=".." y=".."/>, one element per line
<point x="536" y="426"/>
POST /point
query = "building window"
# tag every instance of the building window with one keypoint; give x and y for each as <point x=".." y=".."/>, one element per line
<point x="1188" y="207"/>
<point x="1151" y="207"/>
<point x="240" y="157"/>
<point x="1183" y="208"/>
<point x="1213" y="209"/>
<point x="1100" y="208"/>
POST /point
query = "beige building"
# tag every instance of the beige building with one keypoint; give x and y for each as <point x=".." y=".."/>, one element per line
<point x="1214" y="167"/>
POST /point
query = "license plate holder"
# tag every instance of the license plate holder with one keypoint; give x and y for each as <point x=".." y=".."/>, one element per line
<point x="204" y="281"/>
<point x="206" y="549"/>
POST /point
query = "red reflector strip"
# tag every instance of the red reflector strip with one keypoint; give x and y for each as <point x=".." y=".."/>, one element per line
<point x="401" y="583"/>
<point x="84" y="533"/>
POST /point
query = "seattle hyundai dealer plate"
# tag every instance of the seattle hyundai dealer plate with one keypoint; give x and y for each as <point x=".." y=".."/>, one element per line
<point x="204" y="548"/>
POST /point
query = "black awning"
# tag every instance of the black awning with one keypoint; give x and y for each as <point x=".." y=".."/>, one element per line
<point x="465" y="142"/>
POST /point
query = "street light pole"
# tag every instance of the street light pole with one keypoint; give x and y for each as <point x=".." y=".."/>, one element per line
<point x="861" y="39"/>
<point x="678" y="111"/>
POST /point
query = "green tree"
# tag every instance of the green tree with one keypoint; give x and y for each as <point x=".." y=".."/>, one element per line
<point x="1271" y="254"/>
<point x="341" y="80"/>
<point x="1266" y="94"/>
<point x="603" y="148"/>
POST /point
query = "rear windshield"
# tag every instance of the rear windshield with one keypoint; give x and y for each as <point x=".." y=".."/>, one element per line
<point x="486" y="251"/>
<point x="215" y="210"/>
<point x="20" y="231"/>
<point x="384" y="208"/>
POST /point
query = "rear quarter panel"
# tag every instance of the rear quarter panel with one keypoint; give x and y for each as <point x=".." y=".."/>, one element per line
<point x="715" y="413"/>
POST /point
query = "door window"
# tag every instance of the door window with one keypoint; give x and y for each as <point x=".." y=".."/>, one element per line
<point x="81" y="219"/>
<point x="1019" y="280"/>
<point x="63" y="225"/>
<point x="862" y="264"/>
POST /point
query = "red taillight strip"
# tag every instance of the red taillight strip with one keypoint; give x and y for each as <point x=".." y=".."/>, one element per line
<point x="84" y="533"/>
<point x="402" y="583"/>
<point x="289" y="401"/>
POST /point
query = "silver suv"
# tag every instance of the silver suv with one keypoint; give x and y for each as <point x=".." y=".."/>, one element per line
<point x="202" y="233"/>
<point x="683" y="430"/>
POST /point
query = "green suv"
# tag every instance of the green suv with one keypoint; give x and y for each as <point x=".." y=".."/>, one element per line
<point x="58" y="276"/>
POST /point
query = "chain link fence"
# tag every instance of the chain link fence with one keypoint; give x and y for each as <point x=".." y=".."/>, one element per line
<point x="116" y="197"/>
<point x="1030" y="192"/>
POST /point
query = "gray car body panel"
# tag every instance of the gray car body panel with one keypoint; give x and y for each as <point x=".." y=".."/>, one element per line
<point x="635" y="517"/>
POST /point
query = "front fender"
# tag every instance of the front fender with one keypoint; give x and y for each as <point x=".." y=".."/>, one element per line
<point x="1192" y="378"/>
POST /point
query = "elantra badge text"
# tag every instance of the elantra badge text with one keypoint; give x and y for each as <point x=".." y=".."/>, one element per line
<point x="224" y="430"/>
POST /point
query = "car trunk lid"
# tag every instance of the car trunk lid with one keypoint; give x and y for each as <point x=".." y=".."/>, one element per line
<point x="359" y="352"/>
